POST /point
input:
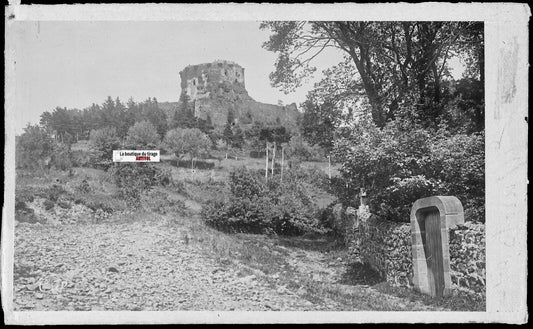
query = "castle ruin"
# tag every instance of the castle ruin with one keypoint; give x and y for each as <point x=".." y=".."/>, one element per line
<point x="216" y="88"/>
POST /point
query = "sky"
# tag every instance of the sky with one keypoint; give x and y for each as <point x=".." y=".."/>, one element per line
<point x="74" y="64"/>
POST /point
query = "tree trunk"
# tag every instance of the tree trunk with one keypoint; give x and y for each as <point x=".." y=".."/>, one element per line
<point x="377" y="111"/>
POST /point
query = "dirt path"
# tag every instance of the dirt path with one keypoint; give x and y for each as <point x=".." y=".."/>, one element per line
<point x="155" y="263"/>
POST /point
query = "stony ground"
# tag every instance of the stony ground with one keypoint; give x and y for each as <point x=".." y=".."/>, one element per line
<point x="139" y="266"/>
<point x="153" y="265"/>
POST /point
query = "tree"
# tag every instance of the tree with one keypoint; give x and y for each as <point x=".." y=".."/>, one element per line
<point x="103" y="141"/>
<point x="228" y="131"/>
<point x="319" y="123"/>
<point x="299" y="150"/>
<point x="33" y="148"/>
<point x="155" y="115"/>
<point x="61" y="122"/>
<point x="275" y="134"/>
<point x="252" y="136"/>
<point x="184" y="116"/>
<point x="237" y="139"/>
<point x="182" y="141"/>
<point x="142" y="135"/>
<point x="398" y="62"/>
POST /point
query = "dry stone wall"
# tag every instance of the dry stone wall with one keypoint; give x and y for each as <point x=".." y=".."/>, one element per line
<point x="386" y="247"/>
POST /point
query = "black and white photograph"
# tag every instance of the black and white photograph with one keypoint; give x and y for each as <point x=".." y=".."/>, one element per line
<point x="322" y="166"/>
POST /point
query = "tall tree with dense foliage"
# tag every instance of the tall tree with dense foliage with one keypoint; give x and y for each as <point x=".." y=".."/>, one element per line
<point x="184" y="116"/>
<point x="183" y="141"/>
<point x="155" y="115"/>
<point x="401" y="64"/>
<point x="142" y="135"/>
<point x="33" y="147"/>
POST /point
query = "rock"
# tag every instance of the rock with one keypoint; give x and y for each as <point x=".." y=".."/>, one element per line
<point x="225" y="261"/>
<point x="39" y="295"/>
<point x="113" y="269"/>
<point x="32" y="287"/>
<point x="247" y="279"/>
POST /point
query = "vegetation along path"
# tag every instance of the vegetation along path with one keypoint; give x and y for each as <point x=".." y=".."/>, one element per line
<point x="158" y="262"/>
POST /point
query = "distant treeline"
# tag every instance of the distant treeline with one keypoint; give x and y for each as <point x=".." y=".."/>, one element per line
<point x="74" y="124"/>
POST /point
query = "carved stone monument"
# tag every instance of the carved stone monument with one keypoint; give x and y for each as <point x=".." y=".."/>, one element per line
<point x="430" y="219"/>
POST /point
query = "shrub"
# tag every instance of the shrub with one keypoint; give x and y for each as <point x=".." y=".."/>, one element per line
<point x="253" y="207"/>
<point x="52" y="193"/>
<point x="81" y="158"/>
<point x="257" y="154"/>
<point x="159" y="202"/>
<point x="83" y="187"/>
<point x="48" y="204"/>
<point x="100" y="202"/>
<point x="299" y="150"/>
<point x="402" y="163"/>
<point x="134" y="178"/>
<point x="61" y="157"/>
<point x="245" y="184"/>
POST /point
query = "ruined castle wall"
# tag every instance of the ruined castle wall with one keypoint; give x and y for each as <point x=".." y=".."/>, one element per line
<point x="215" y="88"/>
<point x="202" y="79"/>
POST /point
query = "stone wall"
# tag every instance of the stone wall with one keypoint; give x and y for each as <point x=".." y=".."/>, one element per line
<point x="386" y="247"/>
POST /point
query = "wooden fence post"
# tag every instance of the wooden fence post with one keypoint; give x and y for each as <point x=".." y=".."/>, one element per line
<point x="273" y="158"/>
<point x="266" y="163"/>
<point x="282" y="158"/>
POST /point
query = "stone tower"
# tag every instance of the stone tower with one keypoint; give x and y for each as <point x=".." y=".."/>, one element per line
<point x="197" y="81"/>
<point x="216" y="88"/>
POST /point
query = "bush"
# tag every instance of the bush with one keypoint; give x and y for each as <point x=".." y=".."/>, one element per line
<point x="257" y="154"/>
<point x="81" y="158"/>
<point x="99" y="202"/>
<point x="48" y="204"/>
<point x="134" y="178"/>
<point x="160" y="203"/>
<point x="61" y="157"/>
<point x="402" y="163"/>
<point x="253" y="207"/>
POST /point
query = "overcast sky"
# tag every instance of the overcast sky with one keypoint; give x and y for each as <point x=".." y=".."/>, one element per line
<point x="75" y="64"/>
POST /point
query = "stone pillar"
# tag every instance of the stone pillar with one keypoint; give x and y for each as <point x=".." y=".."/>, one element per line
<point x="430" y="220"/>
